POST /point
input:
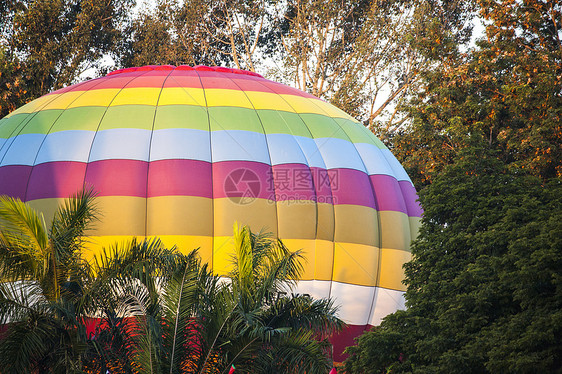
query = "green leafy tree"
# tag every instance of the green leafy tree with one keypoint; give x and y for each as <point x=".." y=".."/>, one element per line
<point x="508" y="87"/>
<point x="200" y="32"/>
<point x="484" y="285"/>
<point x="365" y="56"/>
<point x="45" y="45"/>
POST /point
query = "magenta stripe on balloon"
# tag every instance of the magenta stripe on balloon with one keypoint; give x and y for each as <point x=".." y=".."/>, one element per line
<point x="118" y="177"/>
<point x="55" y="179"/>
<point x="346" y="338"/>
<point x="411" y="198"/>
<point x="13" y="180"/>
<point x="388" y="194"/>
<point x="236" y="179"/>
<point x="350" y="186"/>
<point x="180" y="177"/>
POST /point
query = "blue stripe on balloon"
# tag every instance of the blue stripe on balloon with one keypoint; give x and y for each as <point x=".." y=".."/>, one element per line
<point x="374" y="159"/>
<point x="180" y="144"/>
<point x="21" y="150"/>
<point x="398" y="171"/>
<point x="284" y="149"/>
<point x="339" y="153"/>
<point x="228" y="145"/>
<point x="311" y="152"/>
<point x="72" y="145"/>
<point x="126" y="144"/>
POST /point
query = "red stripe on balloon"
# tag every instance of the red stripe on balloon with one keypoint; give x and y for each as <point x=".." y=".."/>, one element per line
<point x="55" y="179"/>
<point x="178" y="177"/>
<point x="345" y="339"/>
<point x="118" y="177"/>
<point x="13" y="180"/>
<point x="186" y="78"/>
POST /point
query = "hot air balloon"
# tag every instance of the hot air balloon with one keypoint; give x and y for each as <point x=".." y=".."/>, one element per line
<point x="184" y="152"/>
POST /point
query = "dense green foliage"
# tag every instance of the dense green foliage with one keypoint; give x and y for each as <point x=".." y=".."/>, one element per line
<point x="508" y="88"/>
<point x="485" y="283"/>
<point x="485" y="287"/>
<point x="154" y="309"/>
<point x="46" y="45"/>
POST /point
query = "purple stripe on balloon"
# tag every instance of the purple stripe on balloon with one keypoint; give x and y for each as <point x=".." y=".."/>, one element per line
<point x="180" y="178"/>
<point x="118" y="177"/>
<point x="351" y="186"/>
<point x="235" y="179"/>
<point x="322" y="184"/>
<point x="56" y="179"/>
<point x="388" y="194"/>
<point x="292" y="182"/>
<point x="13" y="180"/>
<point x="242" y="179"/>
<point x="411" y="198"/>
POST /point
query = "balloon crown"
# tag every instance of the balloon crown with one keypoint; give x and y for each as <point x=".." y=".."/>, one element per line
<point x="219" y="69"/>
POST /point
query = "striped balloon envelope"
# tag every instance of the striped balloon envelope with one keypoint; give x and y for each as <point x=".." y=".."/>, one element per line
<point x="185" y="152"/>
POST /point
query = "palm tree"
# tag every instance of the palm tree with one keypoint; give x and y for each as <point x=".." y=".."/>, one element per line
<point x="205" y="324"/>
<point x="48" y="293"/>
<point x="157" y="310"/>
<point x="41" y="269"/>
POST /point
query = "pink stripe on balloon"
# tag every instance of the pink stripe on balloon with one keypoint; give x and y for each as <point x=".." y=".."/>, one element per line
<point x="118" y="177"/>
<point x="56" y="179"/>
<point x="13" y="180"/>
<point x="237" y="179"/>
<point x="345" y="339"/>
<point x="351" y="186"/>
<point x="183" y="78"/>
<point x="411" y="198"/>
<point x="388" y="194"/>
<point x="180" y="177"/>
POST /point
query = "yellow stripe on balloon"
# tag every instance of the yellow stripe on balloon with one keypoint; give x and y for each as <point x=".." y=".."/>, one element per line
<point x="64" y="100"/>
<point x="182" y="96"/>
<point x="223" y="97"/>
<point x="391" y="272"/>
<point x="356" y="264"/>
<point x="395" y="230"/>
<point x="297" y="219"/>
<point x="350" y="263"/>
<point x="319" y="257"/>
<point x="34" y="105"/>
<point x="173" y="215"/>
<point x="137" y="96"/>
<point x="356" y="224"/>
<point x="94" y="245"/>
<point x="258" y="214"/>
<point x="177" y="215"/>
<point x="267" y="100"/>
<point x="100" y="97"/>
<point x="415" y="224"/>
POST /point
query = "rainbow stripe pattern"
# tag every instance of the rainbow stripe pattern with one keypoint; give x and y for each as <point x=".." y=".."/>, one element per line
<point x="184" y="152"/>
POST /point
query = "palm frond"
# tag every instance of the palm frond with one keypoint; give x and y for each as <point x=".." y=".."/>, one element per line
<point x="23" y="240"/>
<point x="299" y="311"/>
<point x="68" y="228"/>
<point x="295" y="352"/>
